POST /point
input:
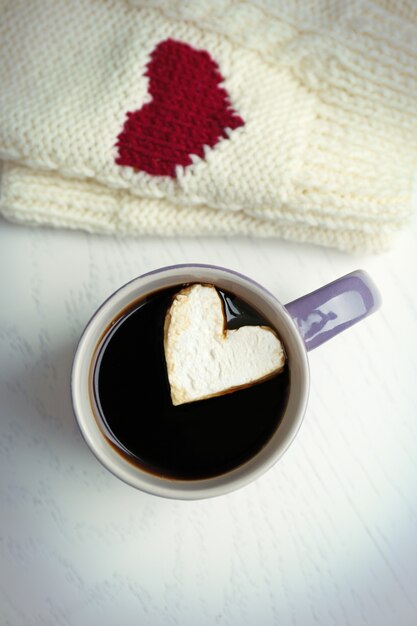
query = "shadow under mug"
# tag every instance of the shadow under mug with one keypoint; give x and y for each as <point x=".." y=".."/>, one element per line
<point x="302" y="325"/>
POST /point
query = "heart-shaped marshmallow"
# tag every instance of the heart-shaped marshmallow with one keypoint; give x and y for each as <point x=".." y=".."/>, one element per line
<point x="203" y="358"/>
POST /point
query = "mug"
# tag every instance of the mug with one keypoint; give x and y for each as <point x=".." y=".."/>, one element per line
<point x="303" y="325"/>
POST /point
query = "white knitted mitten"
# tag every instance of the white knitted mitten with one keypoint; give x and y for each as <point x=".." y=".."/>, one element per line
<point x="274" y="117"/>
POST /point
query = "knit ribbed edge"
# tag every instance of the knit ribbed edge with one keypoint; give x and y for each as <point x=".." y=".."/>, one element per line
<point x="46" y="199"/>
<point x="21" y="182"/>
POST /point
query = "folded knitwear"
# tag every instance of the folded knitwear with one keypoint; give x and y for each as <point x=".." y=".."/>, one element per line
<point x="281" y="118"/>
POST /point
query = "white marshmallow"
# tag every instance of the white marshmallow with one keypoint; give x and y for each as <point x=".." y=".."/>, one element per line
<point x="203" y="358"/>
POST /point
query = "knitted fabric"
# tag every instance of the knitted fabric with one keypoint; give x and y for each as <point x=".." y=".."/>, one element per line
<point x="280" y="118"/>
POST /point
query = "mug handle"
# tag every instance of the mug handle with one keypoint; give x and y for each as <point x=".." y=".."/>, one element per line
<point x="324" y="313"/>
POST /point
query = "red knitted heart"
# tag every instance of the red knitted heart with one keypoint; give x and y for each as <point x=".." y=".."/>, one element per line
<point x="188" y="110"/>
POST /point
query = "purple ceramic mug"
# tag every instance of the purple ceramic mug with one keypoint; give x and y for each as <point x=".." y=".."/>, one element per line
<point x="302" y="324"/>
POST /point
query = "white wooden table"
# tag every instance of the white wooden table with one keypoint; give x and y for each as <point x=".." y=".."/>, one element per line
<point x="328" y="537"/>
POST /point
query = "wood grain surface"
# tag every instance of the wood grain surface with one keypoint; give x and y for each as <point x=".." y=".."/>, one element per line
<point x="327" y="537"/>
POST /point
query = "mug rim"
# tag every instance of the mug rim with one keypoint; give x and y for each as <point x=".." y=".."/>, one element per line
<point x="138" y="477"/>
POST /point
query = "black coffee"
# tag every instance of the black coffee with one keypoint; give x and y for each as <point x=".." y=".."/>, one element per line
<point x="191" y="441"/>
